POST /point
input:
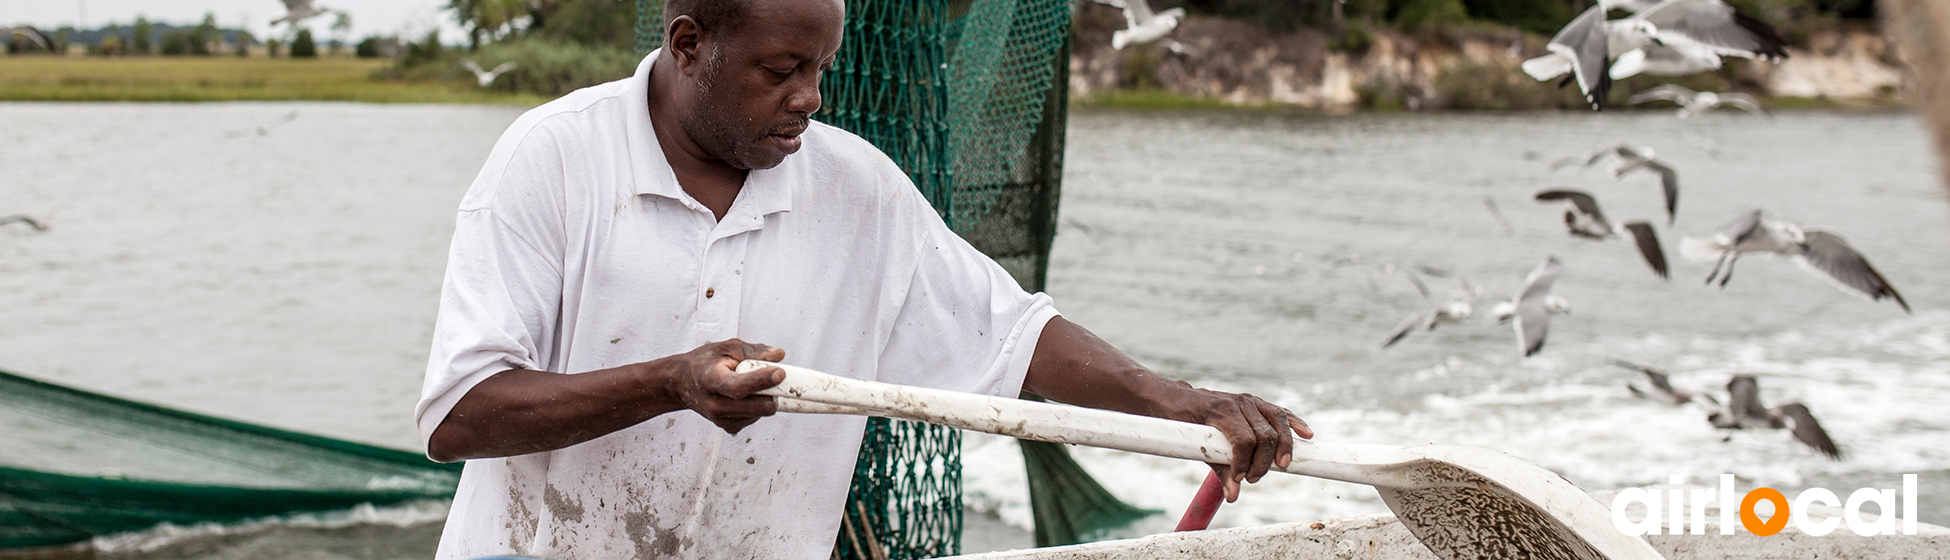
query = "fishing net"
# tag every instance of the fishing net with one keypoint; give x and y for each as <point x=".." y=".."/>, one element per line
<point x="968" y="97"/>
<point x="78" y="465"/>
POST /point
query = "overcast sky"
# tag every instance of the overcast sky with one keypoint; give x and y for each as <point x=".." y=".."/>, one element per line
<point x="413" y="17"/>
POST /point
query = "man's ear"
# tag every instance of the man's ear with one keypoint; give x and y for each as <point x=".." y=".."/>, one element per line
<point x="683" y="39"/>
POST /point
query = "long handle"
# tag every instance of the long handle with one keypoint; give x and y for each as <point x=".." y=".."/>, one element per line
<point x="809" y="391"/>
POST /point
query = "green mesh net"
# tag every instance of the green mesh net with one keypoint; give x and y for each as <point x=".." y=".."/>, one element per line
<point x="968" y="97"/>
<point x="77" y="465"/>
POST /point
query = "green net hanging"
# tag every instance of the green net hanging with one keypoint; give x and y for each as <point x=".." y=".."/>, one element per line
<point x="968" y="97"/>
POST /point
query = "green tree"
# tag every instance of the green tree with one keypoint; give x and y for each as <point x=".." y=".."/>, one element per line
<point x="341" y="25"/>
<point x="205" y="34"/>
<point x="144" y="34"/>
<point x="303" y="46"/>
<point x="1426" y="14"/>
<point x="273" y="48"/>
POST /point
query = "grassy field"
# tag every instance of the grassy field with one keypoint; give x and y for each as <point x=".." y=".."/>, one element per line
<point x="223" y="78"/>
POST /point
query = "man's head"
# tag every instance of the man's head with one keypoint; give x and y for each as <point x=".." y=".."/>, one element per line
<point x="750" y="73"/>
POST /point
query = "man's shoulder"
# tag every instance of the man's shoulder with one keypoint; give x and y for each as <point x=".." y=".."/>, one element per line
<point x="839" y="154"/>
<point x="597" y="105"/>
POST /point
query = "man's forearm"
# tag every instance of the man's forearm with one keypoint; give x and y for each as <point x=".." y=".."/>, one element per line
<point x="1073" y="366"/>
<point x="520" y="411"/>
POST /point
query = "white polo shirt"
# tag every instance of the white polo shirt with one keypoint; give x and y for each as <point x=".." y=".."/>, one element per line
<point x="575" y="250"/>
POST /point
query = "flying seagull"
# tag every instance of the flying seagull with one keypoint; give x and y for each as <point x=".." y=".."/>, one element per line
<point x="1636" y="158"/>
<point x="1453" y="311"/>
<point x="1584" y="219"/>
<point x="1694" y="103"/>
<point x="1818" y="250"/>
<point x="485" y="77"/>
<point x="32" y="222"/>
<point x="263" y="129"/>
<point x="1695" y="25"/>
<point x="1584" y="50"/>
<point x="1745" y="411"/>
<point x="299" y="10"/>
<point x="1531" y="308"/>
<point x="1141" y="25"/>
<point x="1660" y="383"/>
<point x="30" y="34"/>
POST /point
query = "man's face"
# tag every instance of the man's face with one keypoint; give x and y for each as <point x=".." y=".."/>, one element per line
<point x="759" y="84"/>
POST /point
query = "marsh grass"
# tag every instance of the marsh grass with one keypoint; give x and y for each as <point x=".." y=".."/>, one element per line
<point x="41" y="78"/>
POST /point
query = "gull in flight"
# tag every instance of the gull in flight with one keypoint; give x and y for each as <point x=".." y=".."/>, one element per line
<point x="296" y="11"/>
<point x="1141" y="25"/>
<point x="1663" y="37"/>
<point x="1453" y="311"/>
<point x="1694" y="103"/>
<point x="263" y="129"/>
<point x="1533" y="306"/>
<point x="1745" y="411"/>
<point x="1585" y="220"/>
<point x="30" y="34"/>
<point x="1635" y="158"/>
<point x="485" y="77"/>
<point x="1820" y="251"/>
<point x="1661" y="384"/>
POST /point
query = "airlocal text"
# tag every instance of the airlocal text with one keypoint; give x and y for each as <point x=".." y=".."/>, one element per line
<point x="1681" y="508"/>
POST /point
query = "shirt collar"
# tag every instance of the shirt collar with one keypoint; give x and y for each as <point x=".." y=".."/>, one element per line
<point x="766" y="191"/>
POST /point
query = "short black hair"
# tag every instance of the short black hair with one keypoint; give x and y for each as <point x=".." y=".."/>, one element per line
<point x="714" y="16"/>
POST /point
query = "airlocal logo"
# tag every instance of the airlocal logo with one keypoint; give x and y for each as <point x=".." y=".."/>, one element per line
<point x="1678" y="502"/>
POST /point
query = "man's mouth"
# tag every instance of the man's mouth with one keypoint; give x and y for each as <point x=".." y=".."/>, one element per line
<point x="787" y="139"/>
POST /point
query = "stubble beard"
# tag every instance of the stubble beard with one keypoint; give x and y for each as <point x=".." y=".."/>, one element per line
<point x="708" y="123"/>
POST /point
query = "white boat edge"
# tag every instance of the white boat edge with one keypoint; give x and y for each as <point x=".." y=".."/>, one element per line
<point x="1381" y="536"/>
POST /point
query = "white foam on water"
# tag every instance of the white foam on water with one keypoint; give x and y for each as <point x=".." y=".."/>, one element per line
<point x="406" y="514"/>
<point x="1879" y="391"/>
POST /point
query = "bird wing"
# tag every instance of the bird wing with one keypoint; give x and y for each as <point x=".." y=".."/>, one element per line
<point x="1580" y="200"/>
<point x="1743" y="397"/>
<point x="1584" y="42"/>
<point x="30" y="34"/>
<point x="294" y="6"/>
<point x="1714" y="24"/>
<point x="503" y="67"/>
<point x="470" y="66"/>
<point x="1738" y="230"/>
<point x="1668" y="92"/>
<point x="1744" y="102"/>
<point x="1658" y="377"/>
<point x="1532" y="317"/>
<point x="1419" y="286"/>
<point x="1137" y="12"/>
<point x="1830" y="255"/>
<point x="1414" y="321"/>
<point x="1808" y="430"/>
<point x="1628" y="5"/>
<point x="1648" y="245"/>
<point x="1668" y="180"/>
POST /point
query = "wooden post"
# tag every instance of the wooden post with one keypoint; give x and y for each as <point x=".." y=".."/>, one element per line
<point x="1920" y="31"/>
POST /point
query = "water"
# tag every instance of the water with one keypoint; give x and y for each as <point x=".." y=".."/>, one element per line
<point x="291" y="278"/>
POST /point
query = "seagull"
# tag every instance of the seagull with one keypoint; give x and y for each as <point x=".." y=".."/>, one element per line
<point x="32" y="222"/>
<point x="1745" y="411"/>
<point x="1637" y="158"/>
<point x="1141" y="25"/>
<point x="299" y="10"/>
<point x="1660" y="383"/>
<point x="1584" y="49"/>
<point x="32" y="35"/>
<point x="1818" y="250"/>
<point x="263" y="129"/>
<point x="1453" y="311"/>
<point x="1584" y="219"/>
<point x="1531" y="308"/>
<point x="1508" y="230"/>
<point x="1693" y="103"/>
<point x="485" y="77"/>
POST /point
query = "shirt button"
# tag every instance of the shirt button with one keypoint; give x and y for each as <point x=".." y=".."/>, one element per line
<point x="708" y="292"/>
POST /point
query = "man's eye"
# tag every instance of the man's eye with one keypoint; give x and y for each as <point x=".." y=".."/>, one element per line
<point x="781" y="74"/>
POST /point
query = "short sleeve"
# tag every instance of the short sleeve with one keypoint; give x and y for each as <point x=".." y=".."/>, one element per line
<point x="965" y="324"/>
<point x="501" y="300"/>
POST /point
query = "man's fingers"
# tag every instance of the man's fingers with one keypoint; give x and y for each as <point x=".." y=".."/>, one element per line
<point x="1265" y="438"/>
<point x="1299" y="426"/>
<point x="740" y="385"/>
<point x="1284" y="455"/>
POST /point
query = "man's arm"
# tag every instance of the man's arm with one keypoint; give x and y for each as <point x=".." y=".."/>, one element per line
<point x="1073" y="366"/>
<point x="520" y="411"/>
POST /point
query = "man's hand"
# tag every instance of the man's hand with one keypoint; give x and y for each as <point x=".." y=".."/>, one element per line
<point x="1258" y="431"/>
<point x="706" y="380"/>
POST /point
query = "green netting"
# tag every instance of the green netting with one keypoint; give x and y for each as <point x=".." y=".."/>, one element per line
<point x="968" y="97"/>
<point x="79" y="465"/>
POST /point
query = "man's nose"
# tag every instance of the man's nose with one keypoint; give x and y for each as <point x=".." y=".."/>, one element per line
<point x="805" y="97"/>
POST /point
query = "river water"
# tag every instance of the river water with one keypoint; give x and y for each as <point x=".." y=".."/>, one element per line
<point x="290" y="278"/>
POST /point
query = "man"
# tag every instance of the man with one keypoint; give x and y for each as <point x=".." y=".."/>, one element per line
<point x="615" y="233"/>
